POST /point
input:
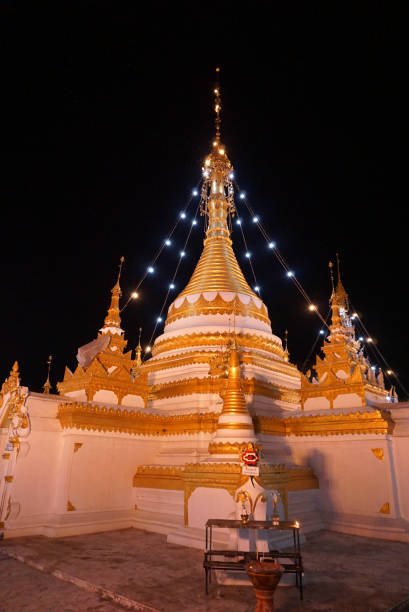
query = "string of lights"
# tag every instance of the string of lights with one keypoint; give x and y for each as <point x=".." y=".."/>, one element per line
<point x="248" y="255"/>
<point x="172" y="286"/>
<point x="365" y="337"/>
<point x="273" y="246"/>
<point x="150" y="269"/>
<point x="372" y="346"/>
<point x="320" y="335"/>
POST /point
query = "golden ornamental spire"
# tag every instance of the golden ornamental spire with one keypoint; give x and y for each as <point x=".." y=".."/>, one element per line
<point x="331" y="265"/>
<point x="113" y="318"/>
<point x="135" y="370"/>
<point x="217" y="269"/>
<point x="217" y="105"/>
<point x="286" y="352"/>
<point x="342" y="295"/>
<point x="47" y="385"/>
<point x="234" y="402"/>
<point x="138" y="357"/>
<point x="235" y="425"/>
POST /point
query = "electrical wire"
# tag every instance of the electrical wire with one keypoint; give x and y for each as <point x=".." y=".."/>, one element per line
<point x="282" y="261"/>
<point x="163" y="245"/>
<point x="159" y="318"/>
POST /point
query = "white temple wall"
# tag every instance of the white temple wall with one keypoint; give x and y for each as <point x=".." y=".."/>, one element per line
<point x="79" y="395"/>
<point x="400" y="454"/>
<point x="133" y="401"/>
<point x="104" y="395"/>
<point x="68" y="482"/>
<point x="198" y="323"/>
<point x="266" y="406"/>
<point x="316" y="403"/>
<point x="359" y="491"/>
<point x="400" y="451"/>
<point x="188" y="404"/>
<point x="198" y="370"/>
<point x="347" y="400"/>
<point x="205" y="503"/>
<point x="289" y="381"/>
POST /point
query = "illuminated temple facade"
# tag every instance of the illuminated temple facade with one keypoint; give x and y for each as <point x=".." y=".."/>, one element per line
<point x="156" y="444"/>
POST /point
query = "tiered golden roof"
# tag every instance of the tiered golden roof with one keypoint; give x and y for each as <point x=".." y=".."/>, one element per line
<point x="344" y="368"/>
<point x="234" y="418"/>
<point x="217" y="269"/>
<point x="234" y="402"/>
<point x="103" y="364"/>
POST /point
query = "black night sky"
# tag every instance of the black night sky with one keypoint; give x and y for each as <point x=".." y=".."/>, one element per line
<point x="106" y="119"/>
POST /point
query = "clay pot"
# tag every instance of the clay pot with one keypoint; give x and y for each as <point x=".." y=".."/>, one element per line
<point x="264" y="576"/>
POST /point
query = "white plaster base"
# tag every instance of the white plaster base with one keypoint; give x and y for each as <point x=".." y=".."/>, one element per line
<point x="368" y="526"/>
<point x="72" y="523"/>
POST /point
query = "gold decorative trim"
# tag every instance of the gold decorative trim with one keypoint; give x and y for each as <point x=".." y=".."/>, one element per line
<point x="223" y="476"/>
<point x="95" y="418"/>
<point x="77" y="446"/>
<point x="98" y="418"/>
<point x="385" y="509"/>
<point x="340" y="424"/>
<point x="8" y="478"/>
<point x="217" y="306"/>
<point x="378" y="452"/>
<point x="220" y="340"/>
<point x="207" y="356"/>
<point x="235" y="426"/>
<point x="70" y="507"/>
<point x="270" y="426"/>
<point x="6" y="455"/>
<point x="210" y="385"/>
<point x="225" y="448"/>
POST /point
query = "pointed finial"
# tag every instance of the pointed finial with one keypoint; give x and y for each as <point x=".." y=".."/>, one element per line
<point x="286" y="353"/>
<point x="234" y="323"/>
<point x="138" y="356"/>
<point x="47" y="385"/>
<point x="338" y="270"/>
<point x="331" y="265"/>
<point x="113" y="318"/>
<point x="217" y="105"/>
<point x="121" y="261"/>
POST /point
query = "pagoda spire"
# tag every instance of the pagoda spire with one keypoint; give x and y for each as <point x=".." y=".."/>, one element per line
<point x="217" y="106"/>
<point x="341" y="324"/>
<point x="47" y="385"/>
<point x="112" y="321"/>
<point x="235" y="425"/>
<point x="340" y="291"/>
<point x="217" y="269"/>
<point x="138" y="357"/>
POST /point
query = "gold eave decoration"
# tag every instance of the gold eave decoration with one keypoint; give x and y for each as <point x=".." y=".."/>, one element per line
<point x="207" y="356"/>
<point x="98" y="418"/>
<point x="218" y="306"/>
<point x="219" y="340"/>
<point x="375" y="422"/>
<point x="225" y="448"/>
<point x="379" y="454"/>
<point x="95" y="378"/>
<point x="222" y="476"/>
<point x="250" y="386"/>
<point x="385" y="509"/>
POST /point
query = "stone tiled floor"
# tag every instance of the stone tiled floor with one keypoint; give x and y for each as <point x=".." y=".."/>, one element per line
<point x="343" y="574"/>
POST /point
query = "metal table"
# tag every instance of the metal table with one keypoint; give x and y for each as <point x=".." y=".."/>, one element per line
<point x="236" y="560"/>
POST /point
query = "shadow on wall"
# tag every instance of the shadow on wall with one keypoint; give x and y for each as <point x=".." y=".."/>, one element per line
<point x="318" y="462"/>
